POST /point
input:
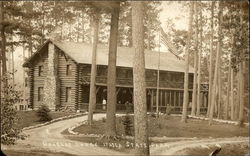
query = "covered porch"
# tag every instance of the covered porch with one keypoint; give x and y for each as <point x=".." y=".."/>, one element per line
<point x="167" y="97"/>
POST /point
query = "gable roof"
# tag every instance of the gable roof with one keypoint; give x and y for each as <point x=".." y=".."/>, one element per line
<point x="82" y="53"/>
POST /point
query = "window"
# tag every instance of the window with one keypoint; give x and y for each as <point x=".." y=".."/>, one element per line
<point x="40" y="93"/>
<point x="68" y="70"/>
<point x="124" y="73"/>
<point x="101" y="71"/>
<point x="21" y="107"/>
<point x="68" y="94"/>
<point x="40" y="70"/>
<point x="26" y="81"/>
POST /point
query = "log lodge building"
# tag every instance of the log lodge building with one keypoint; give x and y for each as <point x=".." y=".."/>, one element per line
<point x="59" y="76"/>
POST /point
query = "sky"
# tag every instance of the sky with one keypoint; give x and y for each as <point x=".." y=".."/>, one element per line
<point x="170" y="10"/>
<point x="174" y="10"/>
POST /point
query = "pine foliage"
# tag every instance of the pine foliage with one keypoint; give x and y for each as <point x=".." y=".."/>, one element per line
<point x="43" y="113"/>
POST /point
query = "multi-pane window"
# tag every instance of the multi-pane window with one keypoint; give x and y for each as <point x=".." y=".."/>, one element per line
<point x="40" y="70"/>
<point x="68" y="94"/>
<point x="40" y="93"/>
<point x="124" y="73"/>
<point x="68" y="70"/>
<point x="101" y="71"/>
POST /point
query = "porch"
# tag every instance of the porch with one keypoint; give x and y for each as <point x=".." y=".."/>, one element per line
<point x="167" y="97"/>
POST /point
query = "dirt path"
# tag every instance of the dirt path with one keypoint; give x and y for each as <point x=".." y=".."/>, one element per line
<point x="49" y="137"/>
<point x="176" y="148"/>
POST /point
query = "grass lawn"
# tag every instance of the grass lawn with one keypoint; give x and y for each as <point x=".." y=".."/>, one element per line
<point x="226" y="149"/>
<point x="171" y="126"/>
<point x="29" y="118"/>
<point x="34" y="153"/>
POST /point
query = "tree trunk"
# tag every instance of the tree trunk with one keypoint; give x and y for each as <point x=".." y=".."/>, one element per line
<point x="186" y="96"/>
<point x="232" y="95"/>
<point x="24" y="88"/>
<point x="216" y="65"/>
<point x="194" y="96"/>
<point x="228" y="89"/>
<point x="3" y="50"/>
<point x="83" y="29"/>
<point x="140" y="107"/>
<point x="199" y="65"/>
<point x="241" y="73"/>
<point x="92" y="94"/>
<point x="211" y="59"/>
<point x="219" y="90"/>
<point x="43" y="23"/>
<point x="78" y="26"/>
<point x="111" y="82"/>
<point x="237" y="98"/>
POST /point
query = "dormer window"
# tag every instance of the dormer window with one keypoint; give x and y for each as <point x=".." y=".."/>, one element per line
<point x="68" y="70"/>
<point x="40" y="70"/>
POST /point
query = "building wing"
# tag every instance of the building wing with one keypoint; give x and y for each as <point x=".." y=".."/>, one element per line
<point x="82" y="53"/>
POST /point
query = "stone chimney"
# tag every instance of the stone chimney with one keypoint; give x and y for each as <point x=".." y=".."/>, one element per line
<point x="51" y="82"/>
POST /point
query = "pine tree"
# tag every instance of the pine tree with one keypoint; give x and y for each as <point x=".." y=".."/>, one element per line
<point x="111" y="81"/>
<point x="217" y="66"/>
<point x="211" y="59"/>
<point x="92" y="95"/>
<point x="194" y="95"/>
<point x="187" y="49"/>
<point x="140" y="107"/>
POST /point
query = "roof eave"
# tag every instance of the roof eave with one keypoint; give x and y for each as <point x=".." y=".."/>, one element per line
<point x="27" y="62"/>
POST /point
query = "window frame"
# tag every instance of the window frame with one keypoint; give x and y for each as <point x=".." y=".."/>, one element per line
<point x="68" y="70"/>
<point x="40" y="70"/>
<point x="68" y="94"/>
<point x="40" y="94"/>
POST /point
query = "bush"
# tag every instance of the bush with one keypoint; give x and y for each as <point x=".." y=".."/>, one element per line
<point x="103" y="120"/>
<point x="127" y="123"/>
<point x="43" y="113"/>
<point x="9" y="129"/>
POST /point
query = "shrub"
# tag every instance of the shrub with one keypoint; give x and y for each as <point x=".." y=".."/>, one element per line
<point x="43" y="113"/>
<point x="103" y="119"/>
<point x="127" y="123"/>
<point x="9" y="130"/>
<point x="241" y="123"/>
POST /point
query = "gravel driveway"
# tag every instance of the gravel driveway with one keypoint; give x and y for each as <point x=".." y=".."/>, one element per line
<point x="49" y="137"/>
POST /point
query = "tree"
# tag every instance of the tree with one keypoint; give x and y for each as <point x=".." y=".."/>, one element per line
<point x="9" y="131"/>
<point x="211" y="59"/>
<point x="228" y="89"/>
<point x="217" y="65"/>
<point x="111" y="79"/>
<point x="199" y="64"/>
<point x="194" y="95"/>
<point x="241" y="71"/>
<point x="92" y="95"/>
<point x="151" y="24"/>
<point x="140" y="107"/>
<point x="187" y="49"/>
<point x="232" y="95"/>
<point x="3" y="46"/>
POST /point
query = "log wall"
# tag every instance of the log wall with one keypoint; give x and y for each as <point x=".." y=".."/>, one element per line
<point x="67" y="81"/>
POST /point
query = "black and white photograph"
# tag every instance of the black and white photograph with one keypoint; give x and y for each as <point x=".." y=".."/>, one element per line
<point x="118" y="77"/>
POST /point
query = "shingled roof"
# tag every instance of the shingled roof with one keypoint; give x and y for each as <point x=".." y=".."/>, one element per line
<point x="82" y="53"/>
